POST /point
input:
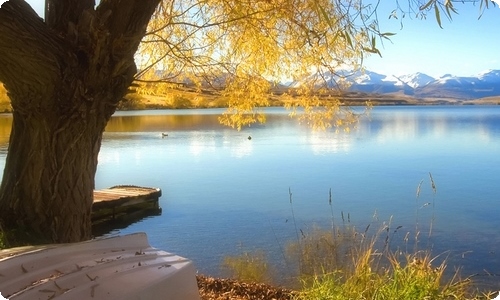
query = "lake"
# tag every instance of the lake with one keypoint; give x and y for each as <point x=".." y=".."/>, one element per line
<point x="225" y="194"/>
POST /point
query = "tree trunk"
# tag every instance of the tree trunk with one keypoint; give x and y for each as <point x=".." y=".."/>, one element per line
<point x="49" y="176"/>
<point x="65" y="78"/>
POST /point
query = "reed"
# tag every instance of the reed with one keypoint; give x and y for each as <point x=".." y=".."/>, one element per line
<point x="343" y="263"/>
<point x="362" y="266"/>
<point x="367" y="273"/>
<point x="320" y="251"/>
<point x="434" y="190"/>
<point x="293" y="215"/>
<point x="331" y="208"/>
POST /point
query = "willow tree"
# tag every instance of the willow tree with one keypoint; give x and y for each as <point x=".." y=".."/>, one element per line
<point x="66" y="74"/>
<point x="242" y="50"/>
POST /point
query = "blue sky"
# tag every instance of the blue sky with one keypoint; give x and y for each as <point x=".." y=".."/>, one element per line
<point x="465" y="46"/>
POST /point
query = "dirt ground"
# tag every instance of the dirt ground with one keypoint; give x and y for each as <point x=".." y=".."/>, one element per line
<point x="228" y="289"/>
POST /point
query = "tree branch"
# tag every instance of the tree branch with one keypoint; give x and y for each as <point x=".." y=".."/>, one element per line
<point x="126" y="24"/>
<point x="29" y="52"/>
<point x="60" y="13"/>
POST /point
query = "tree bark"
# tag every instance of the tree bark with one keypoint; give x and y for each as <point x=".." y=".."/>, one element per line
<point x="65" y="77"/>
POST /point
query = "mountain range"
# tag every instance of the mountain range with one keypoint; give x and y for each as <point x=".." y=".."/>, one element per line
<point x="419" y="85"/>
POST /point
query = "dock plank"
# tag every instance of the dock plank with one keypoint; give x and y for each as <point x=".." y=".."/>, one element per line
<point x="124" y="196"/>
<point x="123" y="204"/>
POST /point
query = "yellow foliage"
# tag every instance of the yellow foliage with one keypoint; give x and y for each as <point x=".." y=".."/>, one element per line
<point x="240" y="49"/>
<point x="4" y="99"/>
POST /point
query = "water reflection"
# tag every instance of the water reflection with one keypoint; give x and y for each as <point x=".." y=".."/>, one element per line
<point x="242" y="148"/>
<point x="324" y="142"/>
<point x="5" y="127"/>
<point x="201" y="142"/>
<point x="406" y="123"/>
<point x="386" y="123"/>
<point x="164" y="121"/>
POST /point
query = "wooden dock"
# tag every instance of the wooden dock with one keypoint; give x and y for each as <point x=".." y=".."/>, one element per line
<point x="120" y="206"/>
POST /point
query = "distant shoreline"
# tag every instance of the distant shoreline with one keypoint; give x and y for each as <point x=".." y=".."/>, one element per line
<point x="191" y="100"/>
<point x="188" y="99"/>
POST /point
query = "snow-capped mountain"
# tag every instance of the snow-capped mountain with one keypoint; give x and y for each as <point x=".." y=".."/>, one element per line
<point x="485" y="84"/>
<point x="360" y="81"/>
<point x="489" y="76"/>
<point x="416" y="80"/>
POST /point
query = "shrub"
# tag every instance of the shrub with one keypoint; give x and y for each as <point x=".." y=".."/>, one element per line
<point x="131" y="101"/>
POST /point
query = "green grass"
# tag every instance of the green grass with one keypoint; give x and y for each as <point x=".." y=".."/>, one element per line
<point x="349" y="266"/>
<point x="248" y="267"/>
<point x="413" y="278"/>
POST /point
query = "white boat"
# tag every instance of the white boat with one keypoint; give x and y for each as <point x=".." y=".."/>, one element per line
<point x="121" y="267"/>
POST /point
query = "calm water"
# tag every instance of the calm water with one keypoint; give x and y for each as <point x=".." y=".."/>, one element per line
<point x="224" y="194"/>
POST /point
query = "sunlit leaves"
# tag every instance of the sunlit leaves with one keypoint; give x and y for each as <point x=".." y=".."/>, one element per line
<point x="241" y="49"/>
<point x="245" y="95"/>
<point x="4" y="99"/>
<point x="427" y="5"/>
<point x="438" y="18"/>
<point x="323" y="109"/>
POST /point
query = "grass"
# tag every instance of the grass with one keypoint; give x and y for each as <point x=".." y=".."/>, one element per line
<point x="342" y="263"/>
<point x="384" y="276"/>
<point x="349" y="266"/>
<point x="248" y="267"/>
